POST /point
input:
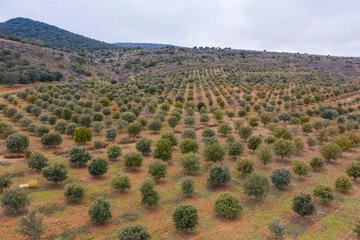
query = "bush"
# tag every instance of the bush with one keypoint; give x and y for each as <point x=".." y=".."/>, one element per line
<point x="41" y="130"/>
<point x="163" y="150"/>
<point x="189" y="120"/>
<point x="170" y="135"/>
<point x="208" y="132"/>
<point x="283" y="148"/>
<point x="155" y="125"/>
<point x="31" y="225"/>
<point x="224" y="129"/>
<point x="134" y="129"/>
<point x="14" y="199"/>
<point x="235" y="149"/>
<point x="245" y="132"/>
<point x="281" y="177"/>
<point x="143" y="145"/>
<point x="190" y="162"/>
<point x="6" y="129"/>
<point x="253" y="142"/>
<point x="330" y="151"/>
<point x="219" y="174"/>
<point x="120" y="182"/>
<point x="256" y="185"/>
<point x="357" y="230"/>
<point x="300" y="168"/>
<point x="55" y="172"/>
<point x="70" y="129"/>
<point x="17" y="142"/>
<point x="245" y="166"/>
<point x="189" y="145"/>
<point x="353" y="170"/>
<point x="114" y="151"/>
<point x="185" y="217"/>
<point x="79" y="156"/>
<point x="148" y="195"/>
<point x="317" y="163"/>
<point x="303" y="205"/>
<point x="277" y="228"/>
<point x="74" y="192"/>
<point x="98" y="167"/>
<point x="100" y="211"/>
<point x="5" y="182"/>
<point x="37" y="161"/>
<point x="82" y="135"/>
<point x="343" y="183"/>
<point x="51" y="139"/>
<point x="324" y="192"/>
<point x="265" y="153"/>
<point x="133" y="160"/>
<point x="188" y="186"/>
<point x="60" y="126"/>
<point x="158" y="169"/>
<point x="111" y="134"/>
<point x="227" y="205"/>
<point x="133" y="231"/>
<point x="189" y="133"/>
<point x="214" y="152"/>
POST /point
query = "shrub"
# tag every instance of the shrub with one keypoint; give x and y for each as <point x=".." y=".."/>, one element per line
<point x="41" y="130"/>
<point x="185" y="217"/>
<point x="17" y="142"/>
<point x="281" y="177"/>
<point x="277" y="228"/>
<point x="189" y="133"/>
<point x="173" y="121"/>
<point x="256" y="185"/>
<point x="74" y="191"/>
<point x="300" y="168"/>
<point x="133" y="160"/>
<point x="5" y="182"/>
<point x="79" y="156"/>
<point x="6" y="129"/>
<point x="60" y="126"/>
<point x="120" y="182"/>
<point x="330" y="151"/>
<point x="245" y="166"/>
<point x="227" y="205"/>
<point x="253" y="142"/>
<point x="70" y="129"/>
<point x="317" y="163"/>
<point x="134" y="129"/>
<point x="148" y="195"/>
<point x="219" y="174"/>
<point x="170" y="135"/>
<point x="98" y="167"/>
<point x="353" y="169"/>
<point x="143" y="145"/>
<point x="324" y="192"/>
<point x="189" y="145"/>
<point x="190" y="162"/>
<point x="14" y="199"/>
<point x="245" y="132"/>
<point x="235" y="149"/>
<point x="208" y="132"/>
<point x="100" y="211"/>
<point x="55" y="172"/>
<point x="133" y="231"/>
<point x="158" y="169"/>
<point x="188" y="186"/>
<point x="283" y="148"/>
<point x="189" y="120"/>
<point x="265" y="153"/>
<point x="111" y="134"/>
<point x="114" y="151"/>
<point x="82" y="135"/>
<point x="51" y="139"/>
<point x="357" y="230"/>
<point x="163" y="150"/>
<point x="31" y="225"/>
<point x="343" y="183"/>
<point x="214" y="152"/>
<point x="37" y="161"/>
<point x="224" y="129"/>
<point x="303" y="205"/>
<point x="155" y="125"/>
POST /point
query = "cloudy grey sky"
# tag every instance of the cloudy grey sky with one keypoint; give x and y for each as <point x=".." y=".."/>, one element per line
<point x="306" y="26"/>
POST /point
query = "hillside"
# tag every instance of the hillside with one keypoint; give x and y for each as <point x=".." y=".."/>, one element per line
<point x="142" y="45"/>
<point x="34" y="31"/>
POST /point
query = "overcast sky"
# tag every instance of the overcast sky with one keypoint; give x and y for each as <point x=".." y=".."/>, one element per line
<point x="305" y="26"/>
